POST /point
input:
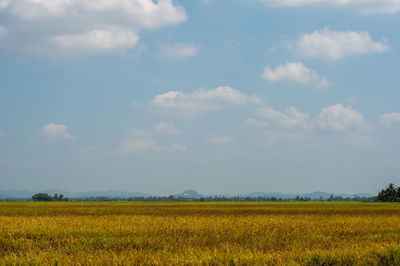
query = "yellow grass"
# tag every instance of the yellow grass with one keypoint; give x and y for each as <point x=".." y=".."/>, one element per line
<point x="200" y="233"/>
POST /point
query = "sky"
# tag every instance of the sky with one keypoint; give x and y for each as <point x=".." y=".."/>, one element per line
<point x="218" y="96"/>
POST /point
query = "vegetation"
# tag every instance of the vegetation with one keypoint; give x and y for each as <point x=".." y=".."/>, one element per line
<point x="274" y="233"/>
<point x="47" y="197"/>
<point x="224" y="199"/>
<point x="390" y="194"/>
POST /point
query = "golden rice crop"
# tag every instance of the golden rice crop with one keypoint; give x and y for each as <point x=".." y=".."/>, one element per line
<point x="200" y="233"/>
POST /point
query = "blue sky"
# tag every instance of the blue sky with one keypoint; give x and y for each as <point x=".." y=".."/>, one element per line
<point x="158" y="97"/>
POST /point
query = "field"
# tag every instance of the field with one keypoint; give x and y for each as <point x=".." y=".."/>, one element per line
<point x="200" y="233"/>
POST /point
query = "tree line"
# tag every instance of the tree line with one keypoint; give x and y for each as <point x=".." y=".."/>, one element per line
<point x="221" y="199"/>
<point x="47" y="197"/>
<point x="390" y="194"/>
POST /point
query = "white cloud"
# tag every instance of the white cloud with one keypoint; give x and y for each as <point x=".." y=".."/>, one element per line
<point x="277" y="126"/>
<point x="143" y="141"/>
<point x="81" y="26"/>
<point x="57" y="131"/>
<point x="290" y="118"/>
<point x="332" y="118"/>
<point x="295" y="72"/>
<point x="220" y="139"/>
<point x="178" y="50"/>
<point x="390" y="120"/>
<point x="97" y="41"/>
<point x="361" y="6"/>
<point x="338" y="44"/>
<point x="166" y="128"/>
<point x="339" y="118"/>
<point x="202" y="100"/>
<point x="291" y="125"/>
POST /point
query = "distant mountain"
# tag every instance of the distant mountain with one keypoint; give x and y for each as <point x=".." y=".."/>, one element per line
<point x="189" y="194"/>
<point x="15" y="194"/>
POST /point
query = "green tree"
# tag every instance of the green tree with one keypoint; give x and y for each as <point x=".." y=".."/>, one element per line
<point x="42" y="197"/>
<point x="390" y="194"/>
<point x="47" y="197"/>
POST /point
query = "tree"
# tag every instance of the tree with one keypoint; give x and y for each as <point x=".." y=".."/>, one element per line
<point x="390" y="194"/>
<point x="42" y="197"/>
<point x="47" y="197"/>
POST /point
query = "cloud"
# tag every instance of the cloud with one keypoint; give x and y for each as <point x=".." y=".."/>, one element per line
<point x="97" y="41"/>
<point x="335" y="45"/>
<point x="290" y="118"/>
<point x="178" y="50"/>
<point x="57" y="131"/>
<point x="361" y="6"/>
<point x="292" y="125"/>
<point x="166" y="128"/>
<point x="277" y="126"/>
<point x="143" y="141"/>
<point x="390" y="120"/>
<point x="202" y="100"/>
<point x="48" y="27"/>
<point x="220" y="139"/>
<point x="255" y="122"/>
<point x="2" y="134"/>
<point x="295" y="72"/>
<point x="339" y="118"/>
